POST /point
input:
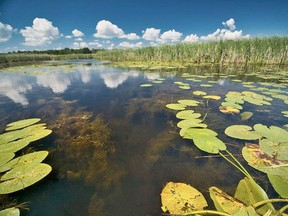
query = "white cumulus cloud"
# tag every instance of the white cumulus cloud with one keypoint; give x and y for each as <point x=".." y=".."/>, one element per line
<point x="230" y="23"/>
<point x="41" y="33"/>
<point x="68" y="36"/>
<point x="78" y="45"/>
<point x="126" y="44"/>
<point x="171" y="36"/>
<point x="151" y="34"/>
<point x="78" y="39"/>
<point x="95" y="43"/>
<point x="105" y="29"/>
<point x="77" y="33"/>
<point x="192" y="38"/>
<point x="131" y="36"/>
<point x="5" y="32"/>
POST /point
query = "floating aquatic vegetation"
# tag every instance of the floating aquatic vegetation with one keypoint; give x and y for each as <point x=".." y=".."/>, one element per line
<point x="176" y="106"/>
<point x="187" y="114"/>
<point x="10" y="212"/>
<point x="232" y="104"/>
<point x="214" y="97"/>
<point x="199" y="93"/>
<point x="184" y="87"/>
<point x="229" y="110"/>
<point x="244" y="132"/>
<point x="189" y="102"/>
<point x="189" y="123"/>
<point x="206" y="85"/>
<point x="146" y="85"/>
<point x="157" y="81"/>
<point x="273" y="133"/>
<point x="27" y="169"/>
<point x="246" y="115"/>
<point x="180" y="199"/>
<point x="285" y="113"/>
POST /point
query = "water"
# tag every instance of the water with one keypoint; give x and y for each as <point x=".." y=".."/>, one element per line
<point x="114" y="144"/>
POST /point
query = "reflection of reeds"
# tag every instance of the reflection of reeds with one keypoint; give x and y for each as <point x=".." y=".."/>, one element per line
<point x="270" y="50"/>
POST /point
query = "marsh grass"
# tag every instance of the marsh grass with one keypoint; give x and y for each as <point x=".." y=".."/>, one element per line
<point x="270" y="50"/>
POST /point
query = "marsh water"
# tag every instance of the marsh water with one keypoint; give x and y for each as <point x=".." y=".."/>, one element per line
<point x="115" y="145"/>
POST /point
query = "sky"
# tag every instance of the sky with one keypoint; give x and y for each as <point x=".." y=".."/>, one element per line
<point x="114" y="24"/>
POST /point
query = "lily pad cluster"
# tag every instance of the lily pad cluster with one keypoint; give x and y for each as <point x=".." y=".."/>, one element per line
<point x="192" y="128"/>
<point x="249" y="200"/>
<point x="182" y="85"/>
<point x="269" y="156"/>
<point x="234" y="100"/>
<point x="25" y="170"/>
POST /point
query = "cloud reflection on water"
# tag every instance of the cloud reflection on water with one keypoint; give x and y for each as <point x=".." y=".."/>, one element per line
<point x="15" y="86"/>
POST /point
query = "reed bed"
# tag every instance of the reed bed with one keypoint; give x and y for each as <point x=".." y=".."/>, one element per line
<point x="270" y="50"/>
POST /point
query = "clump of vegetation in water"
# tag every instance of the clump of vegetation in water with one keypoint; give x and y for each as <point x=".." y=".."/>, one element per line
<point x="271" y="50"/>
<point x="24" y="170"/>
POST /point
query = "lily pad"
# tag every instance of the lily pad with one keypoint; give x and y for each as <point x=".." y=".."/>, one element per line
<point x="23" y="176"/>
<point x="206" y="85"/>
<point x="246" y="115"/>
<point x="14" y="146"/>
<point x="232" y="104"/>
<point x="209" y="144"/>
<point x="274" y="133"/>
<point x="10" y="212"/>
<point x="280" y="184"/>
<point x="146" y="85"/>
<point x="249" y="192"/>
<point x="187" y="114"/>
<point x="199" y="93"/>
<point x="22" y="124"/>
<point x="285" y="113"/>
<point x="242" y="132"/>
<point x="176" y="106"/>
<point x="35" y="157"/>
<point x="229" y="110"/>
<point x="261" y="161"/>
<point x="189" y="102"/>
<point x="184" y="87"/>
<point x="188" y="123"/>
<point x="214" y="97"/>
<point x="180" y="198"/>
<point x="232" y="99"/>
<point x="194" y="133"/>
<point x="223" y="202"/>
<point x="276" y="150"/>
<point x="5" y="157"/>
<point x="246" y="211"/>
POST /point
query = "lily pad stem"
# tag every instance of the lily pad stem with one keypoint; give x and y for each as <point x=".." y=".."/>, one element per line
<point x="239" y="164"/>
<point x="235" y="165"/>
<point x="258" y="204"/>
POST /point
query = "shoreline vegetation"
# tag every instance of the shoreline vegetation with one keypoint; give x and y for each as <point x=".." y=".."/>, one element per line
<point x="262" y="51"/>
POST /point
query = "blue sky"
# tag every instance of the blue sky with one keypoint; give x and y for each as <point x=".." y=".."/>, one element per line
<point x="51" y="24"/>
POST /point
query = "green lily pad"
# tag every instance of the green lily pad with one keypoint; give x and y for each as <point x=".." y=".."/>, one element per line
<point x="209" y="144"/>
<point x="23" y="176"/>
<point x="10" y="136"/>
<point x="237" y="100"/>
<point x="246" y="115"/>
<point x="22" y="124"/>
<point x="223" y="202"/>
<point x="184" y="87"/>
<point x="280" y="184"/>
<point x="196" y="125"/>
<point x="10" y="212"/>
<point x="214" y="97"/>
<point x="14" y="146"/>
<point x="246" y="211"/>
<point x="176" y="106"/>
<point x="187" y="114"/>
<point x="242" y="132"/>
<point x="35" y="157"/>
<point x="206" y="85"/>
<point x="285" y="113"/>
<point x="5" y="157"/>
<point x="249" y="192"/>
<point x="146" y="85"/>
<point x="157" y="81"/>
<point x="199" y="93"/>
<point x="194" y="133"/>
<point x="180" y="198"/>
<point x="232" y="104"/>
<point x="189" y="102"/>
<point x="276" y="150"/>
<point x="188" y="123"/>
<point x="274" y="133"/>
